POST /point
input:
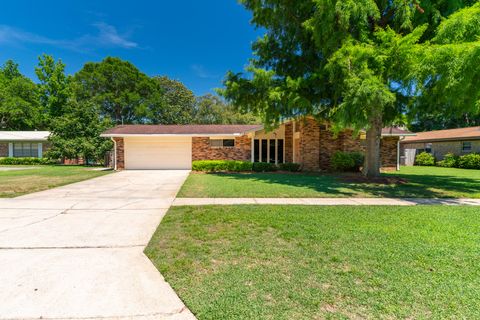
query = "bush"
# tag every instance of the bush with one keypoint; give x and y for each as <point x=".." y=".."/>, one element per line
<point x="289" y="166"/>
<point x="221" y="165"/>
<point x="25" y="161"/>
<point x="347" y="161"/>
<point x="264" y="167"/>
<point x="469" y="161"/>
<point x="424" y="159"/>
<point x="450" y="160"/>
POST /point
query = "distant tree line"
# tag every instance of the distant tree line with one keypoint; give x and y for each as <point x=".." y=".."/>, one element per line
<point x="78" y="108"/>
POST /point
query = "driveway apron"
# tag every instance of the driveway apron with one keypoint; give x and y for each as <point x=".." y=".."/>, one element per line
<point x="76" y="252"/>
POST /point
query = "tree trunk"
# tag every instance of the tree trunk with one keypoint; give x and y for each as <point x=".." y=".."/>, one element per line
<point x="371" y="168"/>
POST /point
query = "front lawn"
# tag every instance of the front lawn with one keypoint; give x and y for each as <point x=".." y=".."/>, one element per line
<point x="427" y="182"/>
<point x="19" y="180"/>
<point x="297" y="262"/>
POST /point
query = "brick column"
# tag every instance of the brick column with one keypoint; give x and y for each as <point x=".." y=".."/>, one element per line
<point x="310" y="144"/>
<point x="289" y="141"/>
<point x="120" y="153"/>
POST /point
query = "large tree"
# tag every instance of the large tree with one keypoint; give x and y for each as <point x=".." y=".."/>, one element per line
<point x="19" y="104"/>
<point x="211" y="109"/>
<point x="347" y="61"/>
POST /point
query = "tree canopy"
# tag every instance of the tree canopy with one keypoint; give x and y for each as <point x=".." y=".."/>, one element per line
<point x="361" y="64"/>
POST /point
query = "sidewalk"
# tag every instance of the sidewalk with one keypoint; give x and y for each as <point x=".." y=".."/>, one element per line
<point x="326" y="201"/>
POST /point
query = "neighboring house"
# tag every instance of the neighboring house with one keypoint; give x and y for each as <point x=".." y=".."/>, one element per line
<point x="175" y="146"/>
<point x="440" y="142"/>
<point x="20" y="144"/>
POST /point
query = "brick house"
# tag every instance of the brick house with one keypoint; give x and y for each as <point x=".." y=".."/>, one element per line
<point x="305" y="141"/>
<point x="440" y="142"/>
<point x="19" y="144"/>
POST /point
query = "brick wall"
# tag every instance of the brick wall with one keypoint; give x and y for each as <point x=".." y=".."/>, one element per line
<point x="289" y="142"/>
<point x="120" y="156"/>
<point x="388" y="151"/>
<point x="309" y="144"/>
<point x="3" y="149"/>
<point x="201" y="150"/>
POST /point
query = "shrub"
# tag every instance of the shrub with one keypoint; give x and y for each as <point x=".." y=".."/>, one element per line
<point x="25" y="161"/>
<point x="347" y="161"/>
<point x="424" y="159"/>
<point x="289" y="166"/>
<point x="450" y="160"/>
<point x="469" y="161"/>
<point x="264" y="167"/>
<point x="221" y="165"/>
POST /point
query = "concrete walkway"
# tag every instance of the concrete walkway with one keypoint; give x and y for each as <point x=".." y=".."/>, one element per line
<point x="325" y="201"/>
<point x="76" y="252"/>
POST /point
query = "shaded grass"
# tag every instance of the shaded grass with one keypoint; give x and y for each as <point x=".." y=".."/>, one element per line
<point x="297" y="262"/>
<point x="28" y="179"/>
<point x="426" y="182"/>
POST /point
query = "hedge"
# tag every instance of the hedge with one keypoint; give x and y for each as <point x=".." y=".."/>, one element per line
<point x="264" y="167"/>
<point x="424" y="159"/>
<point x="449" y="161"/>
<point x="221" y="165"/>
<point x="469" y="161"/>
<point x="289" y="166"/>
<point x="26" y="161"/>
<point x="347" y="161"/>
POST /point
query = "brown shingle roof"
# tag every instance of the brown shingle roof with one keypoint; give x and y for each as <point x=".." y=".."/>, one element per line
<point x="442" y="135"/>
<point x="194" y="129"/>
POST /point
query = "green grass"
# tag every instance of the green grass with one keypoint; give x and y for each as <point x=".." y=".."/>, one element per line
<point x="427" y="182"/>
<point x="298" y="262"/>
<point x="37" y="178"/>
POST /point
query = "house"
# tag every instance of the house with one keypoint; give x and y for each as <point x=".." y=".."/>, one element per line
<point x="440" y="142"/>
<point x="305" y="141"/>
<point x="23" y="143"/>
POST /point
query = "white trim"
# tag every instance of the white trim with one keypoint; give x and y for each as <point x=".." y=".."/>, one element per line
<point x="252" y="150"/>
<point x="398" y="134"/>
<point x="10" y="149"/>
<point x="40" y="150"/>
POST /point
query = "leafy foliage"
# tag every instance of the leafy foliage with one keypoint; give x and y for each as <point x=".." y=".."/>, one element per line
<point x="212" y="109"/>
<point x="264" y="167"/>
<point x="347" y="161"/>
<point x="289" y="166"/>
<point x="25" y="161"/>
<point x="450" y="160"/>
<point x="469" y="161"/>
<point x="221" y="165"/>
<point x="19" y="105"/>
<point x="424" y="159"/>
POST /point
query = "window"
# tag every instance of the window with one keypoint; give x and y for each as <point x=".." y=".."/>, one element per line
<point x="466" y="146"/>
<point x="222" y="143"/>
<point x="25" y="149"/>
<point x="272" y="151"/>
<point x="264" y="150"/>
<point x="268" y="150"/>
<point x="428" y="148"/>
<point x="256" y="151"/>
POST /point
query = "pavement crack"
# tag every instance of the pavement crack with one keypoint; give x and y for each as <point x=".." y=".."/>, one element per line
<point x="75" y="247"/>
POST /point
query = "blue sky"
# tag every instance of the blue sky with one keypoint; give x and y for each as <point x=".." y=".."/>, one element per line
<point x="193" y="41"/>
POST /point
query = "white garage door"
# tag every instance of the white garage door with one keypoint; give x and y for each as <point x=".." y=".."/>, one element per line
<point x="158" y="153"/>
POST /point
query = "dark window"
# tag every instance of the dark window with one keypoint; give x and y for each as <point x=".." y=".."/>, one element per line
<point x="428" y="148"/>
<point x="256" y="150"/>
<point x="25" y="149"/>
<point x="280" y="151"/>
<point x="272" y="151"/>
<point x="219" y="143"/>
<point x="466" y="146"/>
<point x="264" y="150"/>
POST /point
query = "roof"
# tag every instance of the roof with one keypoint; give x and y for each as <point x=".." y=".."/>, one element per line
<point x="24" y="135"/>
<point x="445" y="135"/>
<point x="185" y="130"/>
<point x="396" y="131"/>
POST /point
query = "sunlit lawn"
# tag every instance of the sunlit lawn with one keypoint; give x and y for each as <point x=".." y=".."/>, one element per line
<point x="296" y="262"/>
<point x="27" y="179"/>
<point x="421" y="182"/>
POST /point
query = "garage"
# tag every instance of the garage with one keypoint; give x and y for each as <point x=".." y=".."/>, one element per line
<point x="158" y="153"/>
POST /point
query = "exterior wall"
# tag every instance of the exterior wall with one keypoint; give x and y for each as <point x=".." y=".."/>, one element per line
<point x="288" y="142"/>
<point x="201" y="149"/>
<point x="120" y="154"/>
<point x="3" y="149"/>
<point x="388" y="151"/>
<point x="309" y="146"/>
<point x="441" y="148"/>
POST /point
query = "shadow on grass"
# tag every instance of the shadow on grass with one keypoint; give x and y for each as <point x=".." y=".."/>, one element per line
<point x="417" y="186"/>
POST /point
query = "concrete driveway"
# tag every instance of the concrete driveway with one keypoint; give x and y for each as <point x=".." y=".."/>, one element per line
<point x="76" y="252"/>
